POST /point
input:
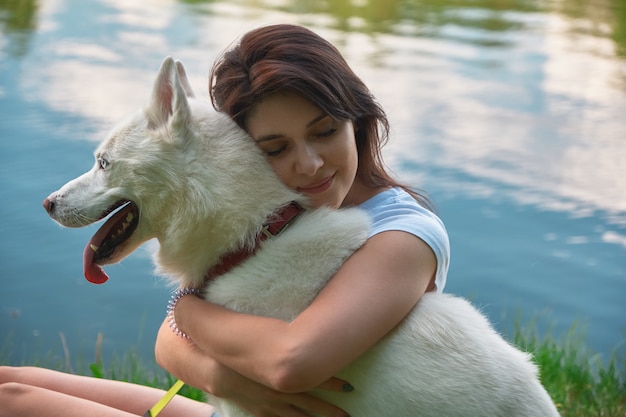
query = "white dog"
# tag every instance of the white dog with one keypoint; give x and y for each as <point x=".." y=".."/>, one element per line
<point x="189" y="177"/>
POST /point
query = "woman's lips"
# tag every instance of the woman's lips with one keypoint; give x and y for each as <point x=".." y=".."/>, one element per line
<point x="318" y="187"/>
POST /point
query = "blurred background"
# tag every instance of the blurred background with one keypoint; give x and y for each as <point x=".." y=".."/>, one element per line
<point x="511" y="114"/>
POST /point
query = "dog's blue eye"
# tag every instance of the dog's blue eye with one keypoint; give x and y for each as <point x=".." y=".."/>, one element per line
<point x="103" y="163"/>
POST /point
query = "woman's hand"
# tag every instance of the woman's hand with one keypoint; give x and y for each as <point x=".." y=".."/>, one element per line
<point x="187" y="362"/>
<point x="261" y="401"/>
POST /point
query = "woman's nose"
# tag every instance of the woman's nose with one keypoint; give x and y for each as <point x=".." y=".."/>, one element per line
<point x="308" y="160"/>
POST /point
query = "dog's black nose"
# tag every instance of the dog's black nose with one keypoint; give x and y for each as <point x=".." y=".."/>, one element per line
<point x="48" y="204"/>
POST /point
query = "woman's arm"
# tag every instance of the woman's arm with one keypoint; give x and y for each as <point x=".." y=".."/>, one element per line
<point x="185" y="361"/>
<point x="371" y="293"/>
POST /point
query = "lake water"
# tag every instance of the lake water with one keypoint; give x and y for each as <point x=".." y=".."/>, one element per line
<point x="511" y="114"/>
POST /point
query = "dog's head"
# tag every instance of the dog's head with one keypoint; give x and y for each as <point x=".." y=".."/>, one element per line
<point x="118" y="184"/>
<point x="177" y="171"/>
<point x="135" y="178"/>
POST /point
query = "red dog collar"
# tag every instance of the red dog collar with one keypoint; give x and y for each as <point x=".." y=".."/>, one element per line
<point x="273" y="227"/>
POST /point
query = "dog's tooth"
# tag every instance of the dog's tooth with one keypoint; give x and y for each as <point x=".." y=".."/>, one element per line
<point x="93" y="247"/>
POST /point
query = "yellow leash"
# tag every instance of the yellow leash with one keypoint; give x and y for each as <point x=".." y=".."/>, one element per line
<point x="160" y="405"/>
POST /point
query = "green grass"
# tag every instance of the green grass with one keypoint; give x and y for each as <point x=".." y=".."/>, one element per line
<point x="581" y="382"/>
<point x="132" y="369"/>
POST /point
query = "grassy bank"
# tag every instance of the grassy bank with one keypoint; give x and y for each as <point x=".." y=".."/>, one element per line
<point x="581" y="382"/>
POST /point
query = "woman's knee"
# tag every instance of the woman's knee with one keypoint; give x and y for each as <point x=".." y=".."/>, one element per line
<point x="13" y="389"/>
<point x="9" y="388"/>
<point x="16" y="398"/>
<point x="12" y="394"/>
<point x="14" y="381"/>
<point x="6" y="374"/>
<point x="14" y="373"/>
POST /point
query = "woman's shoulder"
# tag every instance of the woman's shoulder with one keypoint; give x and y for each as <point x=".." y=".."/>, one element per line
<point x="395" y="209"/>
<point x="393" y="202"/>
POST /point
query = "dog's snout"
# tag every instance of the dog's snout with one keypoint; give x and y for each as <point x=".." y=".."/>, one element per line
<point x="49" y="203"/>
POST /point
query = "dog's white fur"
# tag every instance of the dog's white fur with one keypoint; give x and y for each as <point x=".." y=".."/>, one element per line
<point x="204" y="189"/>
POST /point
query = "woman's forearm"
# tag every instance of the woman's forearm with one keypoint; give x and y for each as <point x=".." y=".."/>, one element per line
<point x="237" y="340"/>
<point x="183" y="359"/>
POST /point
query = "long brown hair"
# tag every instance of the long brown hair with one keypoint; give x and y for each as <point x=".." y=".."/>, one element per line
<point x="289" y="57"/>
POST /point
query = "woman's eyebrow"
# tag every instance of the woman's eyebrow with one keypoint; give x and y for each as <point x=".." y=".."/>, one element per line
<point x="272" y="136"/>
<point x="317" y="119"/>
<point x="269" y="137"/>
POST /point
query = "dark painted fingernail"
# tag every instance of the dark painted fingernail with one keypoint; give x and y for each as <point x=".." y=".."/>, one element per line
<point x="347" y="387"/>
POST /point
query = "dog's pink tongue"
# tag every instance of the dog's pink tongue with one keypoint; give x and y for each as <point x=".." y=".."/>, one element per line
<point x="93" y="272"/>
<point x="101" y="247"/>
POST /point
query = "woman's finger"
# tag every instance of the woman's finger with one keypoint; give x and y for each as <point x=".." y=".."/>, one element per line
<point x="336" y="384"/>
<point x="311" y="404"/>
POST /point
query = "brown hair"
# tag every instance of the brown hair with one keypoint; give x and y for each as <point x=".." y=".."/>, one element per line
<point x="289" y="57"/>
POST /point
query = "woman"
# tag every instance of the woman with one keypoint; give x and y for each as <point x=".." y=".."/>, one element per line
<point x="322" y="132"/>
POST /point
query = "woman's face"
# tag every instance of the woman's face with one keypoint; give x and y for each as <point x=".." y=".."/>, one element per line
<point x="310" y="151"/>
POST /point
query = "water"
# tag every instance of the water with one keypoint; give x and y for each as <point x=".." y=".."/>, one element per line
<point x="510" y="114"/>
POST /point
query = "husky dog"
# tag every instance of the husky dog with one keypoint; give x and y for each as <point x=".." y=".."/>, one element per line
<point x="188" y="176"/>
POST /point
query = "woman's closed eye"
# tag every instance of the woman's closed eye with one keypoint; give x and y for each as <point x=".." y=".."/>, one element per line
<point x="327" y="133"/>
<point x="276" y="145"/>
<point x="275" y="151"/>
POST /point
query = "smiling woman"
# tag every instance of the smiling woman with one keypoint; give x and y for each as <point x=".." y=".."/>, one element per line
<point x="265" y="69"/>
<point x="311" y="152"/>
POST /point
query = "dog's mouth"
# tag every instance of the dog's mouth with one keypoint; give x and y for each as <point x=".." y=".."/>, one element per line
<point x="114" y="232"/>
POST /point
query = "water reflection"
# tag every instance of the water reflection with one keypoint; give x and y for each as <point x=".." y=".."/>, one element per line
<point x="17" y="22"/>
<point x="401" y="17"/>
<point x="414" y="18"/>
<point x="525" y="93"/>
<point x="432" y="18"/>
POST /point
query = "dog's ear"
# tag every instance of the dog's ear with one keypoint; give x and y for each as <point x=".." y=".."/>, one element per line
<point x="184" y="81"/>
<point x="169" y="99"/>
